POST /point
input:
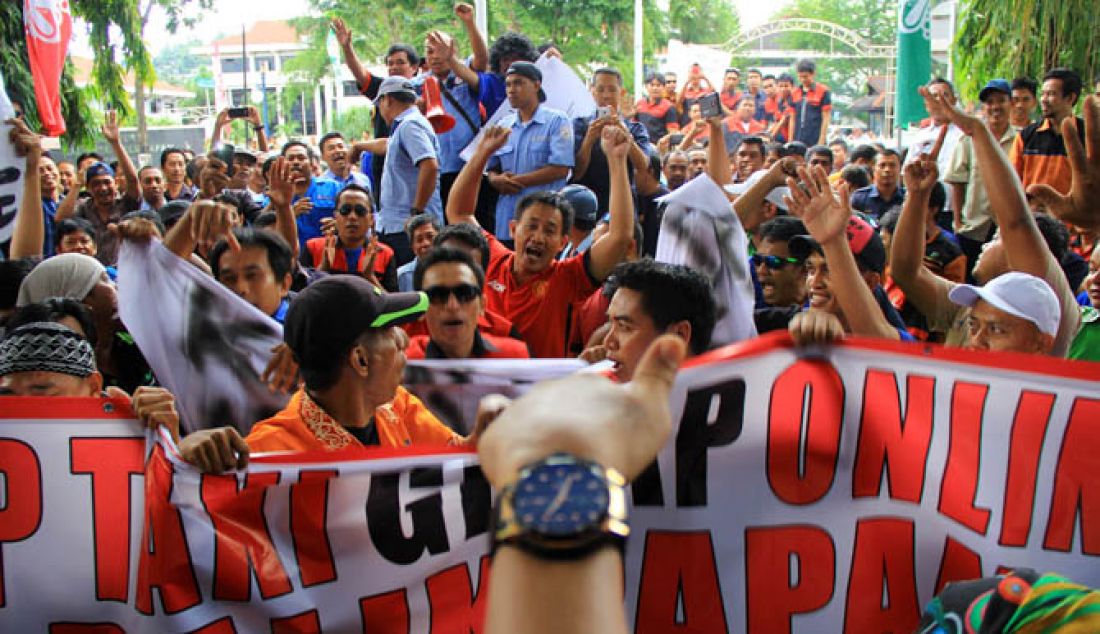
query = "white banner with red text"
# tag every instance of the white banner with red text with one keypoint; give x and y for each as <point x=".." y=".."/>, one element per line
<point x="812" y="490"/>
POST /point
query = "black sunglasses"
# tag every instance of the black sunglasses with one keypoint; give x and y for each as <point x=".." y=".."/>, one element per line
<point x="464" y="293"/>
<point x="359" y="210"/>
<point x="773" y="262"/>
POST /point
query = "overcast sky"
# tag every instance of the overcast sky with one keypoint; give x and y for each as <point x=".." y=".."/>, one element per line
<point x="227" y="16"/>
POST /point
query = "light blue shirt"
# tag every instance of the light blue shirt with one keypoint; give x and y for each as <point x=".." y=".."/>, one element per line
<point x="405" y="274"/>
<point x="411" y="140"/>
<point x="453" y="141"/>
<point x="358" y="178"/>
<point x="547" y="139"/>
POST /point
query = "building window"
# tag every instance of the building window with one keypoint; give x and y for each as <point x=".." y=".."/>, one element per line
<point x="238" y="97"/>
<point x="262" y="60"/>
<point x="284" y="60"/>
<point x="351" y="89"/>
<point x="232" y="65"/>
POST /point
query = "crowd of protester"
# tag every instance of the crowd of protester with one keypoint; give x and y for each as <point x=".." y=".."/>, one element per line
<point x="980" y="234"/>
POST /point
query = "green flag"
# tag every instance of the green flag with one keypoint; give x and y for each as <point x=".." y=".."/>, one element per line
<point x="914" y="60"/>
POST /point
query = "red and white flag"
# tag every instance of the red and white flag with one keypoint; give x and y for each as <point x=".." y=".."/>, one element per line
<point x="49" y="28"/>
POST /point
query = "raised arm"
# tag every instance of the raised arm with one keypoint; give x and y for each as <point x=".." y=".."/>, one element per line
<point x="826" y="217"/>
<point x="125" y="165"/>
<point x="462" y="202"/>
<point x="749" y="206"/>
<point x="281" y="192"/>
<point x="584" y="151"/>
<point x="480" y="62"/>
<point x="219" y="124"/>
<point x="718" y="162"/>
<point x="343" y="37"/>
<point x="30" y="230"/>
<point x="445" y="46"/>
<point x="922" y="288"/>
<point x="609" y="250"/>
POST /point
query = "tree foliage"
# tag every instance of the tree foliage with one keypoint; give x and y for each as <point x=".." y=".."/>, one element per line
<point x="703" y="21"/>
<point x="1012" y="38"/>
<point x="589" y="33"/>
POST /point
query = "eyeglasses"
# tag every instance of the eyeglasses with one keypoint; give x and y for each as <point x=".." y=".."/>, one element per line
<point x="359" y="210"/>
<point x="464" y="293"/>
<point x="773" y="262"/>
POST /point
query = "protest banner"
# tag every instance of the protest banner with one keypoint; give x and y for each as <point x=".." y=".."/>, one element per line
<point x="803" y="490"/>
<point x="12" y="172"/>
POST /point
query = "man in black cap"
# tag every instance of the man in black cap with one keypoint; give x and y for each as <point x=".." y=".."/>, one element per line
<point x="343" y="334"/>
<point x="539" y="152"/>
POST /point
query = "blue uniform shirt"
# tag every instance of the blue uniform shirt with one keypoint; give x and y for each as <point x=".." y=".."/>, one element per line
<point x="490" y="92"/>
<point x="358" y="178"/>
<point x="547" y="139"/>
<point x="49" y="212"/>
<point x="453" y="141"/>
<point x="412" y="140"/>
<point x="322" y="193"/>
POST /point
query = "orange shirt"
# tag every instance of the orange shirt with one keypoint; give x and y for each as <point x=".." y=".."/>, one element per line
<point x="1039" y="156"/>
<point x="540" y="307"/>
<point x="304" y="426"/>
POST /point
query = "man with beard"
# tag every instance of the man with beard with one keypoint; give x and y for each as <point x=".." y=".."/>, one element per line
<point x="152" y="189"/>
<point x="528" y="285"/>
<point x="173" y="163"/>
<point x="105" y="206"/>
<point x="973" y="220"/>
<point x="675" y="169"/>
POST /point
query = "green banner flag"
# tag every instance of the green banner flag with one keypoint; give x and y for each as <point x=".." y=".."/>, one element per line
<point x="914" y="60"/>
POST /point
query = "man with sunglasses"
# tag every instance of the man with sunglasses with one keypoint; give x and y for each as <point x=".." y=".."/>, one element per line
<point x="349" y="249"/>
<point x="782" y="277"/>
<point x="454" y="283"/>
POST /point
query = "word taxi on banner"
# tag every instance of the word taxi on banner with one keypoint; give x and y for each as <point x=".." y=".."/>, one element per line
<point x="814" y="490"/>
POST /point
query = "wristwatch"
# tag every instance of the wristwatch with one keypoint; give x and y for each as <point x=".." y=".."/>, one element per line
<point x="562" y="508"/>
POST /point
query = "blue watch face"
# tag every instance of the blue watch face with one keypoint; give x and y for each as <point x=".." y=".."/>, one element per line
<point x="561" y="499"/>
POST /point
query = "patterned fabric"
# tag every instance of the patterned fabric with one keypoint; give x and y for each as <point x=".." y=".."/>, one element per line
<point x="331" y="433"/>
<point x="1020" y="602"/>
<point x="46" y="347"/>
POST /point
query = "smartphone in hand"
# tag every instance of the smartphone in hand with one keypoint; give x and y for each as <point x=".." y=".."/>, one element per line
<point x="710" y="105"/>
<point x="240" y="112"/>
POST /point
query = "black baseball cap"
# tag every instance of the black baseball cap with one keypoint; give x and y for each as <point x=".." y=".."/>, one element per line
<point x="327" y="317"/>
<point x="530" y="71"/>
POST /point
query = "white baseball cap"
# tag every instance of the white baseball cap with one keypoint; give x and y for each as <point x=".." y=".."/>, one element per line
<point x="1018" y="294"/>
<point x="775" y="196"/>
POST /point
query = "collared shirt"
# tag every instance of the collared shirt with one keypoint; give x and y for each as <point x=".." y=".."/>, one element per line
<point x="658" y="118"/>
<point x="598" y="175"/>
<point x="322" y="192"/>
<point x="49" y="212"/>
<point x="187" y="192"/>
<point x="976" y="214"/>
<point x="491" y="92"/>
<point x="871" y="202"/>
<point x="453" y="141"/>
<point x="925" y="140"/>
<point x="412" y="140"/>
<point x="358" y="178"/>
<point x="486" y="346"/>
<point x="812" y="109"/>
<point x="106" y="242"/>
<point x="303" y="425"/>
<point x="1039" y="155"/>
<point x="540" y="306"/>
<point x="759" y="98"/>
<point x="405" y="274"/>
<point x="546" y="139"/>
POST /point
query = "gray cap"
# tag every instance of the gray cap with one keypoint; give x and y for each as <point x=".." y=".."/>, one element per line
<point x="397" y="86"/>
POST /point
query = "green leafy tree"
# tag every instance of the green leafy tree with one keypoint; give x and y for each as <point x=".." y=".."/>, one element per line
<point x="703" y="21"/>
<point x="1012" y="38"/>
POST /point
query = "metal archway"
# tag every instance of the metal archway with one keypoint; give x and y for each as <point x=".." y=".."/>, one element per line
<point x="860" y="47"/>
